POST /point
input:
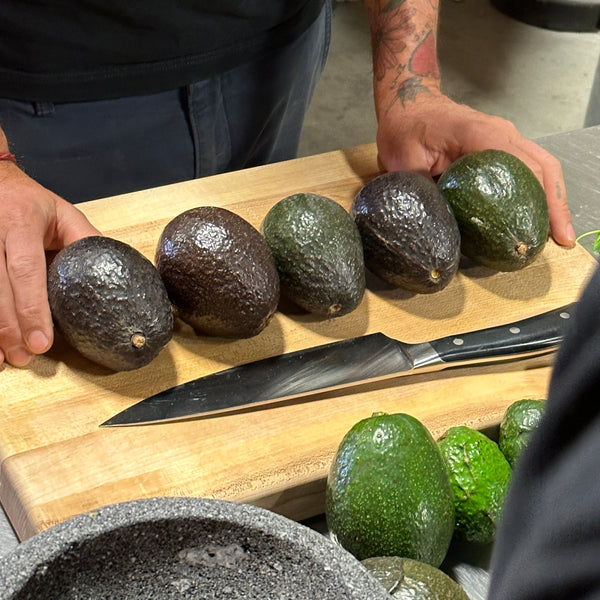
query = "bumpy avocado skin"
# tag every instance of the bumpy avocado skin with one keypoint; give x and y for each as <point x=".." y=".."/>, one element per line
<point x="318" y="253"/>
<point x="518" y="422"/>
<point x="388" y="491"/>
<point x="219" y="272"/>
<point x="480" y="475"/>
<point x="104" y="295"/>
<point x="408" y="579"/>
<point x="500" y="207"/>
<point x="410" y="236"/>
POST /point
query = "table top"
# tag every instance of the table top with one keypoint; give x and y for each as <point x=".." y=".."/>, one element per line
<point x="578" y="152"/>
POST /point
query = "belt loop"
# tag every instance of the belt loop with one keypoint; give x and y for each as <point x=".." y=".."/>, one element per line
<point x="43" y="109"/>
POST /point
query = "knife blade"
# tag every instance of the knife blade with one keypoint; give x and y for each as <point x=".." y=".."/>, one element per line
<point x="341" y="364"/>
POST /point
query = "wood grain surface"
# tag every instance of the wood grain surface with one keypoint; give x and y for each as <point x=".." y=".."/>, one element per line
<point x="55" y="460"/>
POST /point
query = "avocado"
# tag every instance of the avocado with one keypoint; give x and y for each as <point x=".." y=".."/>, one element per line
<point x="109" y="302"/>
<point x="520" y="419"/>
<point x="219" y="272"/>
<point x="388" y="491"/>
<point x="500" y="207"/>
<point x="409" y="579"/>
<point x="409" y="234"/>
<point x="480" y="475"/>
<point x="318" y="254"/>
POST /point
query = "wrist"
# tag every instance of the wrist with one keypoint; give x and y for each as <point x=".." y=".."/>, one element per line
<point x="7" y="156"/>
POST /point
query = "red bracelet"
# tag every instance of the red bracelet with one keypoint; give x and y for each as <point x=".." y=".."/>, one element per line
<point x="8" y="156"/>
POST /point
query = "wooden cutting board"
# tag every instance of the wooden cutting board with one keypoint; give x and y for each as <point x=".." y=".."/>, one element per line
<point x="56" y="462"/>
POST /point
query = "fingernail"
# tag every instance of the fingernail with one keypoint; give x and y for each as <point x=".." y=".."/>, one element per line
<point x="570" y="234"/>
<point x="38" y="341"/>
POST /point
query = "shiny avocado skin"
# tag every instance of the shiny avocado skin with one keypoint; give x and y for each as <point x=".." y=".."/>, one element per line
<point x="318" y="254"/>
<point x="408" y="579"/>
<point x="109" y="303"/>
<point x="219" y="272"/>
<point x="388" y="491"/>
<point x="500" y="207"/>
<point x="410" y="236"/>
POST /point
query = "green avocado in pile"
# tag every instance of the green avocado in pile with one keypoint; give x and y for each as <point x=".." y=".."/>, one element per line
<point x="109" y="302"/>
<point x="500" y="207"/>
<point x="218" y="272"/>
<point x="318" y="254"/>
<point x="408" y="579"/>
<point x="409" y="233"/>
<point x="480" y="475"/>
<point x="388" y="492"/>
<point x="519" y="421"/>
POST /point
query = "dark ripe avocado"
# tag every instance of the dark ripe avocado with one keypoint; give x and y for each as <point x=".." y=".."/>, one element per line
<point x="318" y="254"/>
<point x="219" y="272"/>
<point x="388" y="491"/>
<point x="109" y="302"/>
<point x="500" y="207"/>
<point x="409" y="233"/>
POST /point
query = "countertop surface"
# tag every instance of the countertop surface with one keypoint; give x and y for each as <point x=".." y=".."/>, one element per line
<point x="579" y="153"/>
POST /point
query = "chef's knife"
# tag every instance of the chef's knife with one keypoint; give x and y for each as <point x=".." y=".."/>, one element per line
<point x="341" y="364"/>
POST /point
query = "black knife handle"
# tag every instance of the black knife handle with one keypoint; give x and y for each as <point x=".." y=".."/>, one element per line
<point x="535" y="333"/>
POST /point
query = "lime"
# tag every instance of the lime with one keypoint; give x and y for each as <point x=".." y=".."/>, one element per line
<point x="480" y="475"/>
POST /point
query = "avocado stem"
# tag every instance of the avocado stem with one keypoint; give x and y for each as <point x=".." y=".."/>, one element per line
<point x="521" y="248"/>
<point x="138" y="340"/>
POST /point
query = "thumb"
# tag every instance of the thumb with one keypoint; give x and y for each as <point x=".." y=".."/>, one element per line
<point x="71" y="225"/>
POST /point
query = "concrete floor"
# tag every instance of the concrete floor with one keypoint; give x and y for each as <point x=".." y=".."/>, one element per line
<point x="537" y="78"/>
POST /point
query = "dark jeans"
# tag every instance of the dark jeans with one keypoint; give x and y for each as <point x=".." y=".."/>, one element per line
<point x="248" y="116"/>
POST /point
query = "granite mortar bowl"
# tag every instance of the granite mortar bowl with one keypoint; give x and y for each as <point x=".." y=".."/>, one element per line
<point x="181" y="548"/>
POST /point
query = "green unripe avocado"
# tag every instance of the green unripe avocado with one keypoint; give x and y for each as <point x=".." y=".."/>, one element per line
<point x="480" y="475"/>
<point x="318" y="254"/>
<point x="409" y="579"/>
<point x="519" y="420"/>
<point x="388" y="492"/>
<point x="500" y="207"/>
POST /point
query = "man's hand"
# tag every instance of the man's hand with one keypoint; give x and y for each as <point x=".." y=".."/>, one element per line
<point x="32" y="220"/>
<point x="431" y="133"/>
<point x="420" y="129"/>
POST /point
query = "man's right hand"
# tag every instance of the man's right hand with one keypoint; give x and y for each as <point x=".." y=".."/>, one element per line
<point x="32" y="220"/>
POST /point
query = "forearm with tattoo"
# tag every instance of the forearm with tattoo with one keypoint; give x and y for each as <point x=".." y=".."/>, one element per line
<point x="403" y="37"/>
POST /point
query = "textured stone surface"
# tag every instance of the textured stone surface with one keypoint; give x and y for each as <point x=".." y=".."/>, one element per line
<point x="183" y="548"/>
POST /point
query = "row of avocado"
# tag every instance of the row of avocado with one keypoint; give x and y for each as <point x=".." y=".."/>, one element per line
<point x="225" y="278"/>
<point x="394" y="491"/>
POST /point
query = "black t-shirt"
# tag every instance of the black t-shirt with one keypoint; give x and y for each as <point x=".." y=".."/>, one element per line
<point x="68" y="50"/>
<point x="548" y="546"/>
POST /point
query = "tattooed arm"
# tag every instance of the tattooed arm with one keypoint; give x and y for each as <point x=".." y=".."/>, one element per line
<point x="421" y="129"/>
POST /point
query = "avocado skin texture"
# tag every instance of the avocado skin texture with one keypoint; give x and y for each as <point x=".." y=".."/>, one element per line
<point x="102" y="293"/>
<point x="388" y="491"/>
<point x="219" y="272"/>
<point x="480" y="475"/>
<point x="318" y="254"/>
<point x="518" y="422"/>
<point x="500" y="207"/>
<point x="410" y="236"/>
<point x="409" y="579"/>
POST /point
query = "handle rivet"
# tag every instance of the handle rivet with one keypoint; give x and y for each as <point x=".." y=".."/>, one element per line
<point x="458" y="341"/>
<point x="515" y="330"/>
<point x="565" y="315"/>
